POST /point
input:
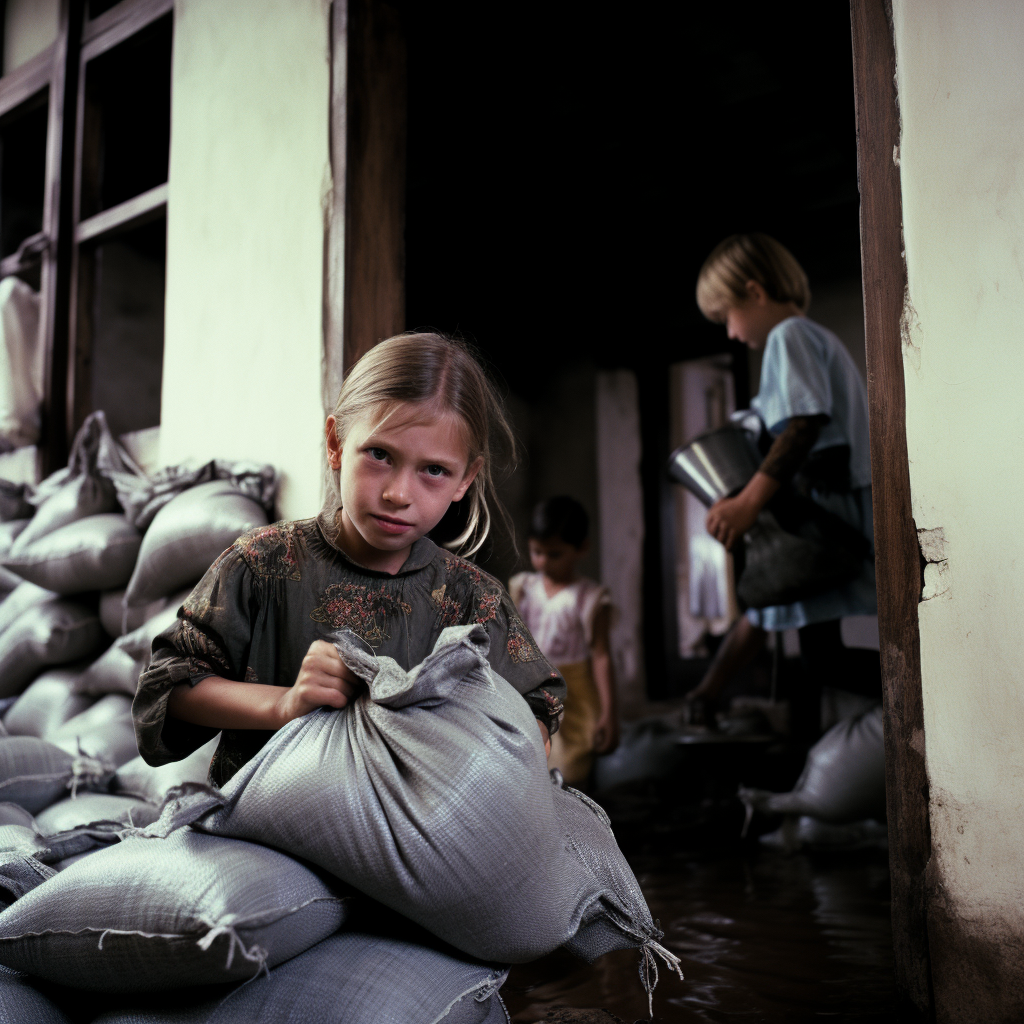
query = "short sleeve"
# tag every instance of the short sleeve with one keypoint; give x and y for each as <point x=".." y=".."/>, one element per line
<point x="794" y="377"/>
<point x="211" y="636"/>
<point x="593" y="600"/>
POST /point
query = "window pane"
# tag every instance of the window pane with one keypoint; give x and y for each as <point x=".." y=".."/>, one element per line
<point x="22" y="173"/>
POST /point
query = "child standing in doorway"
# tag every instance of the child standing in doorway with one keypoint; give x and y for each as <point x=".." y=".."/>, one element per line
<point x="416" y="427"/>
<point x="570" y="617"/>
<point x="813" y="402"/>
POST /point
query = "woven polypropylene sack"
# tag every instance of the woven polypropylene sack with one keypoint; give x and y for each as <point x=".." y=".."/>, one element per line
<point x="430" y="793"/>
<point x="151" y="914"/>
<point x="843" y="778"/>
<point x="53" y="633"/>
<point x="104" y="731"/>
<point x="187" y="535"/>
<point x="22" y="1003"/>
<point x="114" y="671"/>
<point x="25" y="596"/>
<point x="34" y="773"/>
<point x="355" y="978"/>
<point x="87" y="808"/>
<point x="9" y="532"/>
<point x="50" y="701"/>
<point x="79" y="498"/>
<point x="141" y="779"/>
<point x="97" y="553"/>
<point x="117" y="619"/>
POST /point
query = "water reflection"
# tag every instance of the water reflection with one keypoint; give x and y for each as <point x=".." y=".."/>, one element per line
<point x="763" y="937"/>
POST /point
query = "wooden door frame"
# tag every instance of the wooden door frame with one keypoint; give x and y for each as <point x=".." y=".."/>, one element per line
<point x="898" y="556"/>
<point x="364" y="250"/>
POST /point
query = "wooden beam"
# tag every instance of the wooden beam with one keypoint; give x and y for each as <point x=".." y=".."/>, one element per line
<point x="24" y="82"/>
<point x="121" y="21"/>
<point x="374" y="174"/>
<point x="131" y="213"/>
<point x="897" y="554"/>
<point x="55" y="276"/>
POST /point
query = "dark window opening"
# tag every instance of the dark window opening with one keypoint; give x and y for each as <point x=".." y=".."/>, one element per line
<point x="128" y="327"/>
<point x="127" y="127"/>
<point x="22" y="173"/>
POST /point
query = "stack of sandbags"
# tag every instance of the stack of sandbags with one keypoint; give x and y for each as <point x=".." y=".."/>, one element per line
<point x="428" y="793"/>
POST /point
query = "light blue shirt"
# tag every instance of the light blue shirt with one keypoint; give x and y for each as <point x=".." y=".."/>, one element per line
<point x="807" y="371"/>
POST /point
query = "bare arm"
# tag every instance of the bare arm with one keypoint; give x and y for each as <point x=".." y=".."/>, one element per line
<point x="323" y="681"/>
<point x="606" y="732"/>
<point x="730" y="518"/>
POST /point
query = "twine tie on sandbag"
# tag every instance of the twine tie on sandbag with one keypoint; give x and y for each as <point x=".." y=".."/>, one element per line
<point x="649" y="963"/>
<point x="88" y="772"/>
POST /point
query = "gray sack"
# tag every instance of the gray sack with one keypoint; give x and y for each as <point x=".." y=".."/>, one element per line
<point x="146" y="915"/>
<point x="430" y="793"/>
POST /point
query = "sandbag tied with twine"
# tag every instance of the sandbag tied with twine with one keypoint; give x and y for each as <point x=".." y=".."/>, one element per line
<point x="150" y="915"/>
<point x="430" y="793"/>
<point x="34" y="773"/>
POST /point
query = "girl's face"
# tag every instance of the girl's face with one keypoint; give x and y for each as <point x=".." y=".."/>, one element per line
<point x="397" y="480"/>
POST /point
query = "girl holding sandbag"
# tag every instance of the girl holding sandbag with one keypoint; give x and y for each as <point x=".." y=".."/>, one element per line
<point x="813" y="402"/>
<point x="417" y="426"/>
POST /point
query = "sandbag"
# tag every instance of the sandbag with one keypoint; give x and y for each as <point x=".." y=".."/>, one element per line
<point x="117" y="619"/>
<point x="430" y="793"/>
<point x="104" y="731"/>
<point x="192" y="909"/>
<point x="49" y="702"/>
<point x="140" y="779"/>
<point x="187" y="535"/>
<point x="26" y="595"/>
<point x="34" y="773"/>
<point x="97" y="553"/>
<point x="353" y="978"/>
<point x="21" y="1002"/>
<point x="843" y="779"/>
<point x="89" y="808"/>
<point x="9" y="531"/>
<point x="12" y="501"/>
<point x="79" y="497"/>
<point x="52" y="633"/>
<point x="114" y="671"/>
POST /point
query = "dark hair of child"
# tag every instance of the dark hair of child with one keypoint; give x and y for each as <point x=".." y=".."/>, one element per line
<point x="562" y="517"/>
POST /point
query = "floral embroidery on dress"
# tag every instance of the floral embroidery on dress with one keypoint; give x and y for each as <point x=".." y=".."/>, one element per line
<point x="487" y="591"/>
<point x="269" y="551"/>
<point x="198" y="647"/>
<point x="361" y="609"/>
<point x="250" y="675"/>
<point x="553" y="706"/>
<point x="521" y="649"/>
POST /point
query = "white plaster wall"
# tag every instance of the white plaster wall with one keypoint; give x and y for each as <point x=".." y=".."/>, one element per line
<point x="961" y="92"/>
<point x="249" y="170"/>
<point x="29" y="28"/>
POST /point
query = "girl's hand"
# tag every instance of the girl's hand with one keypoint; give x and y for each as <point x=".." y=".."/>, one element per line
<point x="324" y="680"/>
<point x="606" y="734"/>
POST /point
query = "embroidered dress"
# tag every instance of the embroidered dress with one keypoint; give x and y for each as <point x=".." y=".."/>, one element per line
<point x="278" y="588"/>
<point x="563" y="626"/>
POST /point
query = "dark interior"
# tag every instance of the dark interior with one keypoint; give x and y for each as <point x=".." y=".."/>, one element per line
<point x="22" y="173"/>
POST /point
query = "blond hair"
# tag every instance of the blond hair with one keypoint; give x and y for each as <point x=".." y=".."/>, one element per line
<point x="441" y="372"/>
<point x="722" y="282"/>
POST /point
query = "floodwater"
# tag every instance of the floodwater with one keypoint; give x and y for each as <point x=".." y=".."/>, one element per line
<point x="763" y="937"/>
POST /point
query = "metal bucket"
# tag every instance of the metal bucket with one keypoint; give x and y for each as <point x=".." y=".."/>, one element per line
<point x="716" y="464"/>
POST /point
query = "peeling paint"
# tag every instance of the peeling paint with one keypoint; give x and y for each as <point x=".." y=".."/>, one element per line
<point x="910" y="332"/>
<point x="935" y="577"/>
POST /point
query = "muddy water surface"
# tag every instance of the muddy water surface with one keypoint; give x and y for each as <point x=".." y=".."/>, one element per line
<point x="762" y="936"/>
